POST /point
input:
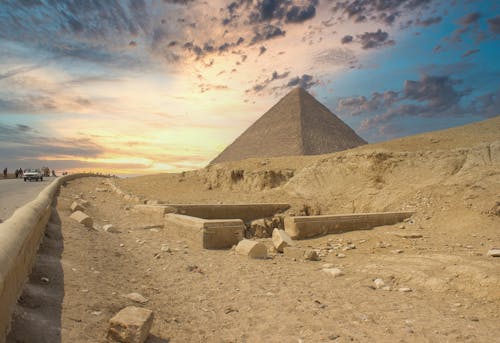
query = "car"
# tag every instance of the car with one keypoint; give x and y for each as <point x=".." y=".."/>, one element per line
<point x="33" y="174"/>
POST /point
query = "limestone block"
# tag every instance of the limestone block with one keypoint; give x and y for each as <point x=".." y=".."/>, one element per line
<point x="281" y="240"/>
<point x="130" y="325"/>
<point x="251" y="249"/>
<point x="77" y="206"/>
<point x="82" y="218"/>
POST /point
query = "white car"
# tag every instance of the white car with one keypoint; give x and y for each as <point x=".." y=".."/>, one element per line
<point x="33" y="174"/>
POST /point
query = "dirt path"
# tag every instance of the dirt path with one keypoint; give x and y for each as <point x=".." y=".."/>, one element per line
<point x="217" y="296"/>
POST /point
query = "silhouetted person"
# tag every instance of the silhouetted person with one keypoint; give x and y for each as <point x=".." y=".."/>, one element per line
<point x="5" y="173"/>
<point x="53" y="172"/>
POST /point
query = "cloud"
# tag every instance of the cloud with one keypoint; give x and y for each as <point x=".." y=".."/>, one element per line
<point x="267" y="10"/>
<point x="347" y="39"/>
<point x="305" y="81"/>
<point x="466" y="23"/>
<point x="470" y="52"/>
<point x="298" y="14"/>
<point x="23" y="142"/>
<point x="428" y="22"/>
<point x="336" y="56"/>
<point x="377" y="39"/>
<point x="275" y="76"/>
<point x="494" y="24"/>
<point x="266" y="32"/>
<point x="470" y="18"/>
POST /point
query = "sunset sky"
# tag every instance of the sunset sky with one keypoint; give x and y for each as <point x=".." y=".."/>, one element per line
<point x="135" y="86"/>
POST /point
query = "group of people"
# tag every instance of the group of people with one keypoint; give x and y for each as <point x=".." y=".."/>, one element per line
<point x="19" y="172"/>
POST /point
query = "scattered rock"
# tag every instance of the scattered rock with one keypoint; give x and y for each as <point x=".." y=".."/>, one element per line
<point x="130" y="325"/>
<point x="281" y="240"/>
<point x="349" y="247"/>
<point x="77" y="206"/>
<point x="251" y="249"/>
<point x="335" y="272"/>
<point x="494" y="252"/>
<point x="110" y="228"/>
<point x="408" y="235"/>
<point x="378" y="283"/>
<point x="98" y="189"/>
<point x="259" y="228"/>
<point x="340" y="255"/>
<point x="311" y="255"/>
<point x="82" y="218"/>
<point x="138" y="298"/>
<point x="165" y="248"/>
<point x="397" y="251"/>
<point x="404" y="289"/>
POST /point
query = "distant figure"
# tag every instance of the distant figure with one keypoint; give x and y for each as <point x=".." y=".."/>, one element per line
<point x="16" y="173"/>
<point x="20" y="172"/>
<point x="5" y="173"/>
<point x="53" y="173"/>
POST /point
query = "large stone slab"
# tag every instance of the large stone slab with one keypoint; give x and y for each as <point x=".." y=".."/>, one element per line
<point x="245" y="212"/>
<point x="211" y="233"/>
<point x="302" y="227"/>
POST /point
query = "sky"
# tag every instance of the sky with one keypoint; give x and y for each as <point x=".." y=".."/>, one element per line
<point x="137" y="87"/>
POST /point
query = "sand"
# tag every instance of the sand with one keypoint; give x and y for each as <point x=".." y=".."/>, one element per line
<point x="439" y="287"/>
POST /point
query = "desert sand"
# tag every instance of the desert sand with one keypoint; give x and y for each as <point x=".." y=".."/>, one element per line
<point x="440" y="286"/>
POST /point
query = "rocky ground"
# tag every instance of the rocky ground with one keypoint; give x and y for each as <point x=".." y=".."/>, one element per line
<point x="439" y="286"/>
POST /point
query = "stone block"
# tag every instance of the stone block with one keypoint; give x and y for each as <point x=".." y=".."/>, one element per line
<point x="281" y="240"/>
<point x="82" y="218"/>
<point x="251" y="249"/>
<point x="130" y="325"/>
<point x="303" y="227"/>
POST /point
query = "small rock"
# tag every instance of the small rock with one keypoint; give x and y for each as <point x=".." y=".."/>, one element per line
<point x="138" y="298"/>
<point x="101" y="189"/>
<point x="77" y="206"/>
<point x="82" y="218"/>
<point x="494" y="252"/>
<point x="378" y="283"/>
<point x="397" y="251"/>
<point x="311" y="255"/>
<point x="122" y="245"/>
<point x="110" y="228"/>
<point x="251" y="249"/>
<point x="327" y="265"/>
<point x="130" y="325"/>
<point x="281" y="239"/>
<point x="349" y="247"/>
<point x="165" y="248"/>
<point x="408" y="235"/>
<point x="335" y="272"/>
<point x="340" y="255"/>
<point x="96" y="313"/>
<point x="45" y="279"/>
<point x="404" y="289"/>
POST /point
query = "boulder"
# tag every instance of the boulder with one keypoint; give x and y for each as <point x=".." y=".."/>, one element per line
<point x="251" y="249"/>
<point x="281" y="240"/>
<point x="130" y="325"/>
<point x="494" y="252"/>
<point x="82" y="218"/>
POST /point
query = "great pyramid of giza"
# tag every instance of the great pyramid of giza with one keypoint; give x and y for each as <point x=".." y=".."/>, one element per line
<point x="297" y="125"/>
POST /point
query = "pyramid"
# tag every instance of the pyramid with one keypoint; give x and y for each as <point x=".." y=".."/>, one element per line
<point x="297" y="125"/>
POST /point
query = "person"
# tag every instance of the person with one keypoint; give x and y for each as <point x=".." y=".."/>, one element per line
<point x="16" y="173"/>
<point x="20" y="172"/>
<point x="5" y="173"/>
<point x="53" y="172"/>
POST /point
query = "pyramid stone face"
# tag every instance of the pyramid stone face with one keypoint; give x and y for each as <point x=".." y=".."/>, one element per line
<point x="297" y="125"/>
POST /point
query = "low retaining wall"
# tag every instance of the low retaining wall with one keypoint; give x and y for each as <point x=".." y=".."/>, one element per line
<point x="211" y="233"/>
<point x="20" y="236"/>
<point x="311" y="226"/>
<point x="245" y="212"/>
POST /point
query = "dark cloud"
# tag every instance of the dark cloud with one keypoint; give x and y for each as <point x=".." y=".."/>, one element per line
<point x="298" y="14"/>
<point x="347" y="39"/>
<point x="383" y="11"/>
<point x="494" y="24"/>
<point x="470" y="18"/>
<point x="275" y="76"/>
<point x="377" y="39"/>
<point x="305" y="81"/>
<point x="266" y="32"/>
<point x="430" y="96"/>
<point x="470" y="52"/>
<point x="23" y="142"/>
<point x="429" y="21"/>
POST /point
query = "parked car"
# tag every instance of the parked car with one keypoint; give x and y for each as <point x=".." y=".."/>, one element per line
<point x="33" y="174"/>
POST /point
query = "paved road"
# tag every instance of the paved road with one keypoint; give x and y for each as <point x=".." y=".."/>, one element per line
<point x="15" y="193"/>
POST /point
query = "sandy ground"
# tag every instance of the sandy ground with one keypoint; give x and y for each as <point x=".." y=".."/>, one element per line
<point x="218" y="296"/>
